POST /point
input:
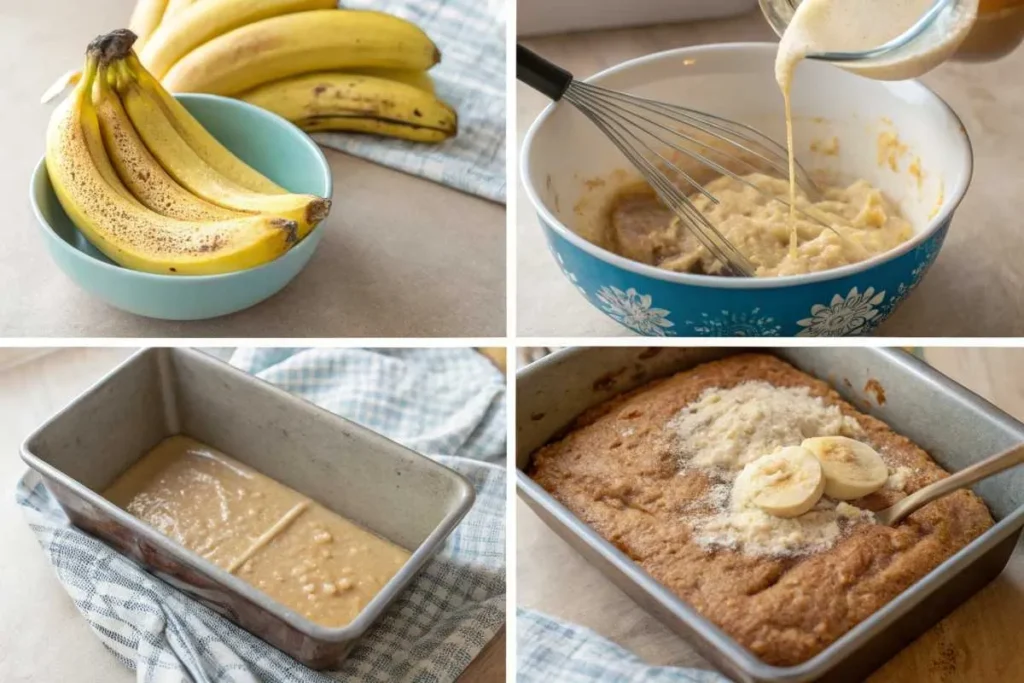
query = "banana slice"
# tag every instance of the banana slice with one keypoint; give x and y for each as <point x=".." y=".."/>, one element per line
<point x="786" y="483"/>
<point x="852" y="469"/>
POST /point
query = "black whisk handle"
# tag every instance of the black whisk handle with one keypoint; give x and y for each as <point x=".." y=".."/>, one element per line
<point x="540" y="74"/>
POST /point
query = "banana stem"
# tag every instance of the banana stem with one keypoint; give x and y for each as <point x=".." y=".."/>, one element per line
<point x="112" y="47"/>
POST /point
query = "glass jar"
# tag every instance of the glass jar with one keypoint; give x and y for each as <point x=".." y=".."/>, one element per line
<point x="998" y="30"/>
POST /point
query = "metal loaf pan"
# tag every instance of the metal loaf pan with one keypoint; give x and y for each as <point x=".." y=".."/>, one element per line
<point x="954" y="425"/>
<point x="363" y="476"/>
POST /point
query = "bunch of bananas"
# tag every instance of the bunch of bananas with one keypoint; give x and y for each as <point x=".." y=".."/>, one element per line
<point x="151" y="188"/>
<point x="320" y="67"/>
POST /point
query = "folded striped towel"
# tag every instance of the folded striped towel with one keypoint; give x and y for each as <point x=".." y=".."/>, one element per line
<point x="470" y="77"/>
<point x="551" y="650"/>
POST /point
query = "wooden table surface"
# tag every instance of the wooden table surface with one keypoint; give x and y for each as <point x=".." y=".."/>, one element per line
<point x="979" y="643"/>
<point x="972" y="290"/>
<point x="43" y="638"/>
<point x="392" y="262"/>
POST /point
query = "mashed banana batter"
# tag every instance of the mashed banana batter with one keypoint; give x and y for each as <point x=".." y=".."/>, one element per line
<point x="644" y="230"/>
<point x="295" y="550"/>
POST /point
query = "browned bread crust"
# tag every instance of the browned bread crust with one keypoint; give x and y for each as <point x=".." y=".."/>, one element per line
<point x="785" y="610"/>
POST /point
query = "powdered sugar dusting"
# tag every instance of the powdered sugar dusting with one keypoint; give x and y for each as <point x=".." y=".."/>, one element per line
<point x="739" y="525"/>
<point x="727" y="428"/>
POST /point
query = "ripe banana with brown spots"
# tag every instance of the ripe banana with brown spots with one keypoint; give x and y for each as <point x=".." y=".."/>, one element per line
<point x="136" y="167"/>
<point x="188" y="168"/>
<point x="209" y="149"/>
<point x="358" y="103"/>
<point x="129" y="233"/>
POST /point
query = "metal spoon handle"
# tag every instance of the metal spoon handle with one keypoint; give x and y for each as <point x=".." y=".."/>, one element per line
<point x="965" y="477"/>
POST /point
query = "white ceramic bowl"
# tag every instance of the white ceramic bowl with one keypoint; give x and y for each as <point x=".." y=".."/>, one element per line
<point x="563" y="151"/>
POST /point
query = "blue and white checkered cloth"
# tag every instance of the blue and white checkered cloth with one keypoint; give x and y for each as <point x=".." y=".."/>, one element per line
<point x="551" y="650"/>
<point x="446" y="403"/>
<point x="470" y="77"/>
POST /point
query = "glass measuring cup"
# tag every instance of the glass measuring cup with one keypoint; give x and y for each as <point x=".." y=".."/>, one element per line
<point x="923" y="46"/>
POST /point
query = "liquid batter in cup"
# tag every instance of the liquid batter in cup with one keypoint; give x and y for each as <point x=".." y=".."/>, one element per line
<point x="838" y="26"/>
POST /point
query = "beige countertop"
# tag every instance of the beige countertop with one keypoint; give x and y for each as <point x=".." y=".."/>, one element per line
<point x="978" y="643"/>
<point x="974" y="288"/>
<point x="43" y="638"/>
<point x="393" y="261"/>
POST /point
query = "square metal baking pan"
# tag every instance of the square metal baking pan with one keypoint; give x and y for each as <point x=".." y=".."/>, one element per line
<point x="955" y="426"/>
<point x="396" y="493"/>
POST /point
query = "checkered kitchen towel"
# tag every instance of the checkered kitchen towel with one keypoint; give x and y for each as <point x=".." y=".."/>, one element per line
<point x="470" y="77"/>
<point x="551" y="650"/>
<point x="447" y="403"/>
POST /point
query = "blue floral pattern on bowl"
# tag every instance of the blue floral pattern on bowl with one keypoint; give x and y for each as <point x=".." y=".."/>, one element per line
<point x="855" y="304"/>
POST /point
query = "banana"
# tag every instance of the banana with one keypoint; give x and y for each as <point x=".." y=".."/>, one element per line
<point x="146" y="18"/>
<point x="786" y="483"/>
<point x="413" y="77"/>
<point x="417" y="79"/>
<point x="189" y="170"/>
<point x="129" y="233"/>
<point x="198" y="138"/>
<point x="107" y="172"/>
<point x="174" y="8"/>
<point x="352" y="102"/>
<point x="206" y="20"/>
<point x="852" y="469"/>
<point x="283" y="46"/>
<point x="139" y="171"/>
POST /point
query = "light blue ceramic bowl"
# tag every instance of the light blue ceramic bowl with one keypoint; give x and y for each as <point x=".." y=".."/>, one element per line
<point x="265" y="141"/>
<point x="570" y="172"/>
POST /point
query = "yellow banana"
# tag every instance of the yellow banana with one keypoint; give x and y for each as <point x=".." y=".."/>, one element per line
<point x="139" y="171"/>
<point x="413" y="77"/>
<point x="129" y="233"/>
<point x="146" y="18"/>
<point x="321" y="40"/>
<point x="198" y="177"/>
<point x="353" y="102"/>
<point x="107" y="172"/>
<point x="417" y="79"/>
<point x="174" y="8"/>
<point x="206" y="20"/>
<point x="198" y="138"/>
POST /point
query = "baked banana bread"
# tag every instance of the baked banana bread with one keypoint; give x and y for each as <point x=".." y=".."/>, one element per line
<point x="651" y="470"/>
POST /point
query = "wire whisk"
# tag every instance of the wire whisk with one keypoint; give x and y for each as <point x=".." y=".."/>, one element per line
<point x="661" y="139"/>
